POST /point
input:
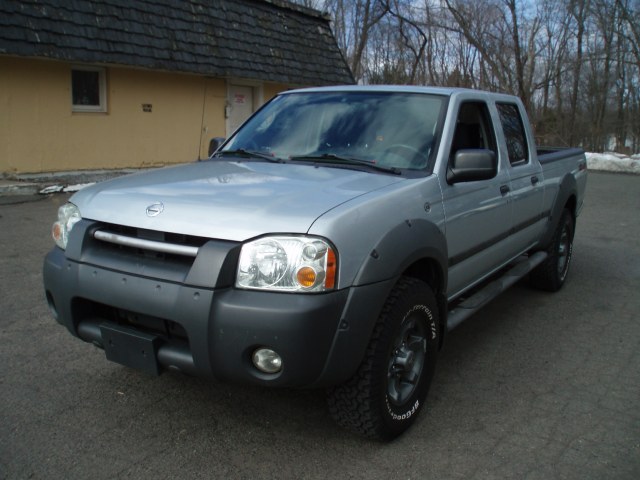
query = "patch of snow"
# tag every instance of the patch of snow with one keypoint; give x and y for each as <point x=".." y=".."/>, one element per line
<point x="51" y="189"/>
<point x="79" y="186"/>
<point x="613" y="162"/>
<point x="63" y="188"/>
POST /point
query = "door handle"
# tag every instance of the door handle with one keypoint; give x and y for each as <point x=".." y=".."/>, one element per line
<point x="534" y="180"/>
<point x="504" y="189"/>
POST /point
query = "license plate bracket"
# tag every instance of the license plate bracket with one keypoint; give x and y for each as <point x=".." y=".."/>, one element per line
<point x="131" y="348"/>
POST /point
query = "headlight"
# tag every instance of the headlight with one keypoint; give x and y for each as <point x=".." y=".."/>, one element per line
<point x="68" y="216"/>
<point x="287" y="263"/>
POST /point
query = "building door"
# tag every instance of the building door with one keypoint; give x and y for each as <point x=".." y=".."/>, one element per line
<point x="240" y="106"/>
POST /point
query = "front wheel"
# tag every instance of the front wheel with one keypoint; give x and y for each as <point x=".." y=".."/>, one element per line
<point x="389" y="389"/>
<point x="551" y="274"/>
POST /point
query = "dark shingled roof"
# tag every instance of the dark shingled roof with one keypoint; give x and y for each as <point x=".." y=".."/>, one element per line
<point x="270" y="40"/>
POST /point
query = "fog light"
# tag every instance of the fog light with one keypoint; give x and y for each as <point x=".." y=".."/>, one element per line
<point x="267" y="361"/>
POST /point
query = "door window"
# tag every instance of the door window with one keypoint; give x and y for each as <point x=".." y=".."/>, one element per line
<point x="473" y="128"/>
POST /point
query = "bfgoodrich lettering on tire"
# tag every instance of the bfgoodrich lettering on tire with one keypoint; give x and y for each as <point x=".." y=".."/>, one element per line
<point x="389" y="389"/>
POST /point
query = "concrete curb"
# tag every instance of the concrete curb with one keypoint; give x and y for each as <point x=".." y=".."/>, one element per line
<point x="18" y="188"/>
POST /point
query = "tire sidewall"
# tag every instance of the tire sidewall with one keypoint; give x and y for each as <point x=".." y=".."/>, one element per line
<point x="566" y="223"/>
<point x="419" y="304"/>
<point x="546" y="275"/>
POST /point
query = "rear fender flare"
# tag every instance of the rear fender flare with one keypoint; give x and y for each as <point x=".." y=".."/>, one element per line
<point x="568" y="189"/>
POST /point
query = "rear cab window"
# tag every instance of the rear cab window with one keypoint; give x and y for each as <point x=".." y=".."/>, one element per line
<point x="514" y="133"/>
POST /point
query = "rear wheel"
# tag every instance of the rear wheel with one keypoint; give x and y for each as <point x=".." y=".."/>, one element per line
<point x="551" y="274"/>
<point x="387" y="392"/>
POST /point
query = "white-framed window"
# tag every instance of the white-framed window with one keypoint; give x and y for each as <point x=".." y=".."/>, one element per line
<point x="88" y="89"/>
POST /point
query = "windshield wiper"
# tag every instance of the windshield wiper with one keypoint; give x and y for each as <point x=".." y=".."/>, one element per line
<point x="333" y="159"/>
<point x="241" y="152"/>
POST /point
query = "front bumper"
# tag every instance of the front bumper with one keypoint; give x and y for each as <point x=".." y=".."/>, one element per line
<point x="167" y="323"/>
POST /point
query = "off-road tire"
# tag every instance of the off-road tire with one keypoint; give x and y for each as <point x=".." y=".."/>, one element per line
<point x="389" y="389"/>
<point x="551" y="274"/>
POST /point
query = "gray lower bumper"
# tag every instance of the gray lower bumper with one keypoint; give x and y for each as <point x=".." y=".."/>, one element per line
<point x="321" y="338"/>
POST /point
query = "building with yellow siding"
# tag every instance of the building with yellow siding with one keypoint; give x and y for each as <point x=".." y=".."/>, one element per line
<point x="132" y="83"/>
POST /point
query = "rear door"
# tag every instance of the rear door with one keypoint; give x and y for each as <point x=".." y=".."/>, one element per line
<point x="526" y="181"/>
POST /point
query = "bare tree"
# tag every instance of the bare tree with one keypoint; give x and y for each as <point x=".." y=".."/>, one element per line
<point x="574" y="63"/>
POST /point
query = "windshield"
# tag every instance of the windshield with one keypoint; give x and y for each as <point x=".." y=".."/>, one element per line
<point x="386" y="129"/>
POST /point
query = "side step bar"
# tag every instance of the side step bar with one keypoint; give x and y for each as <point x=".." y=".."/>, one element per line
<point x="479" y="299"/>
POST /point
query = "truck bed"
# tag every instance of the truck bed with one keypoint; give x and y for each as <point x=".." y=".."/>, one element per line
<point x="552" y="154"/>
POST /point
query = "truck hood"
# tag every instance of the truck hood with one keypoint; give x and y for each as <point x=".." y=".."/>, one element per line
<point x="227" y="200"/>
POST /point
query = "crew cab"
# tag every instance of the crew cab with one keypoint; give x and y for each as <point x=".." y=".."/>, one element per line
<point x="332" y="242"/>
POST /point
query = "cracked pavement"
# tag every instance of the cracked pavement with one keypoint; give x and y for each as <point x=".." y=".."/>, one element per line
<point x="534" y="386"/>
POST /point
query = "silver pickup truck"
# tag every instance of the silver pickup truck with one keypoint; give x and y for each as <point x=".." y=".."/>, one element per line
<point x="331" y="241"/>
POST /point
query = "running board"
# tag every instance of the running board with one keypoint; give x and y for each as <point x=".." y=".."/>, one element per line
<point x="471" y="305"/>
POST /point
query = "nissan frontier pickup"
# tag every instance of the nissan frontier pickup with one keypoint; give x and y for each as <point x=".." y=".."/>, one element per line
<point x="332" y="241"/>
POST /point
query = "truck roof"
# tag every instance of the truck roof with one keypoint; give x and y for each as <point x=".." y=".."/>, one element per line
<point x="447" y="91"/>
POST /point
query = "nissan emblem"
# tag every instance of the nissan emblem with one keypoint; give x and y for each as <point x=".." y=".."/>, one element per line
<point x="155" y="209"/>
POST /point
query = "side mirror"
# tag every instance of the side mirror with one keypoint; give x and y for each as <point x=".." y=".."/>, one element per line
<point x="469" y="165"/>
<point x="214" y="144"/>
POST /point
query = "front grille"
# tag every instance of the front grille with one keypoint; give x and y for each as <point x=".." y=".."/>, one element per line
<point x="161" y="256"/>
<point x="150" y="241"/>
<point x="169" y="248"/>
